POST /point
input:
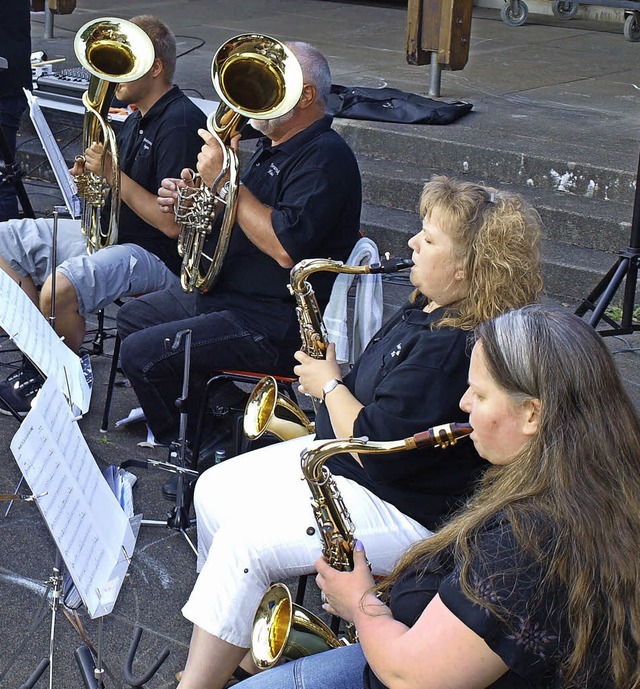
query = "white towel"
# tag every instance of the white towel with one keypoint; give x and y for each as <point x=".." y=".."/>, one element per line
<point x="367" y="317"/>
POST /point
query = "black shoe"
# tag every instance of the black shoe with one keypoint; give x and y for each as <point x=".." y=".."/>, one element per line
<point x="227" y="395"/>
<point x="18" y="390"/>
<point x="170" y="488"/>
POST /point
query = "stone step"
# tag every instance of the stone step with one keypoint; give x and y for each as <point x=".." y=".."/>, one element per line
<point x="588" y="222"/>
<point x="510" y="162"/>
<point x="585" y="222"/>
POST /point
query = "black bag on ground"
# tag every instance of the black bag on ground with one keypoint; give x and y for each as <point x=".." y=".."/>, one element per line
<point x="392" y="105"/>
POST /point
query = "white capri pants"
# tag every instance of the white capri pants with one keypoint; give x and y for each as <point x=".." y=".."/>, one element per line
<point x="253" y="512"/>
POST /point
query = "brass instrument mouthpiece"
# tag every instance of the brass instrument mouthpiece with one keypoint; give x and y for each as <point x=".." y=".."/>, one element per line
<point x="441" y="436"/>
<point x="390" y="264"/>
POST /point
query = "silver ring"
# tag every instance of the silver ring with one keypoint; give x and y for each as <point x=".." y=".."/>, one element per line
<point x="323" y="598"/>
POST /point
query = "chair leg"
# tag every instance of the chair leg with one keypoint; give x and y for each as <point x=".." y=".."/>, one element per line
<point x="111" y="384"/>
<point x="302" y="589"/>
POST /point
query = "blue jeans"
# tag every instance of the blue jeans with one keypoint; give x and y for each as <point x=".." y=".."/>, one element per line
<point x="340" y="668"/>
<point x="219" y="340"/>
<point x="11" y="110"/>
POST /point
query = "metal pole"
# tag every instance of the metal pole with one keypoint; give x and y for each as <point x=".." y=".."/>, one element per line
<point x="436" y="73"/>
<point x="48" y="20"/>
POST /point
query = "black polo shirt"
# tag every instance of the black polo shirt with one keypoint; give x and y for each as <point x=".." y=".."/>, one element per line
<point x="312" y="182"/>
<point x="160" y="144"/>
<point x="411" y="377"/>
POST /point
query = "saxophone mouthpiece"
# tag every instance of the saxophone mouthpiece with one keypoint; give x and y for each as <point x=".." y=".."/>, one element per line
<point x="391" y="264"/>
<point x="441" y="436"/>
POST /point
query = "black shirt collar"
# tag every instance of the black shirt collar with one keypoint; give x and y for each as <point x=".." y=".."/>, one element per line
<point x="414" y="313"/>
<point x="156" y="110"/>
<point x="301" y="138"/>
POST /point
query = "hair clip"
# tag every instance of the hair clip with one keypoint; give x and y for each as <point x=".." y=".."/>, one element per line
<point x="492" y="197"/>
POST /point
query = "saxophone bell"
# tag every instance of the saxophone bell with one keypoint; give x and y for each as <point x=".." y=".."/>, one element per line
<point x="267" y="411"/>
<point x="282" y="629"/>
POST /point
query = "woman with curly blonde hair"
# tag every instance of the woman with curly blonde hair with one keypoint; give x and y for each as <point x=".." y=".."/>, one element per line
<point x="535" y="583"/>
<point x="476" y="255"/>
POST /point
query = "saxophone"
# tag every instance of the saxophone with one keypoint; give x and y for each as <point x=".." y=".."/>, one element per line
<point x="267" y="410"/>
<point x="312" y="329"/>
<point x="282" y="629"/>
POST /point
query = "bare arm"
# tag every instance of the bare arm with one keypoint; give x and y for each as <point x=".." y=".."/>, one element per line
<point x="425" y="656"/>
<point x="144" y="204"/>
<point x="342" y="406"/>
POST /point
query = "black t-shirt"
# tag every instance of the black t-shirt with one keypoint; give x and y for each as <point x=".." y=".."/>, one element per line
<point x="532" y="638"/>
<point x="160" y="144"/>
<point x="312" y="183"/>
<point x="409" y="378"/>
<point x="15" y="46"/>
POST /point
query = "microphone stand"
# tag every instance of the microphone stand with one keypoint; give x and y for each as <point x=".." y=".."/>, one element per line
<point x="626" y="266"/>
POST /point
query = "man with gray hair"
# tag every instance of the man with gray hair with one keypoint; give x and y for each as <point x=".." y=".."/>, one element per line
<point x="299" y="197"/>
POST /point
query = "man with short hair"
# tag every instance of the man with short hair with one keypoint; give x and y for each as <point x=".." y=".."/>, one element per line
<point x="157" y="140"/>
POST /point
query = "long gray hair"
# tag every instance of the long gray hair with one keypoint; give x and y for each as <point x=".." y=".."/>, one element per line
<point x="580" y="475"/>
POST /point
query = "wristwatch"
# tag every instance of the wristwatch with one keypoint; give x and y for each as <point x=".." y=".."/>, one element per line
<point x="329" y="386"/>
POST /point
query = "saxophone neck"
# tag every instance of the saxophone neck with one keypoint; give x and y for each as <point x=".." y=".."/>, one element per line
<point x="300" y="272"/>
<point x="441" y="436"/>
<point x="313" y="459"/>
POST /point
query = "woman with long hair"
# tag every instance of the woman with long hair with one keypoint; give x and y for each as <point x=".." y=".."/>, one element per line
<point x="476" y="255"/>
<point x="535" y="582"/>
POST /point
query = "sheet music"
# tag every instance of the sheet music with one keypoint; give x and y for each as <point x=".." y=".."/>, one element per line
<point x="90" y="529"/>
<point x="32" y="333"/>
<point x="54" y="154"/>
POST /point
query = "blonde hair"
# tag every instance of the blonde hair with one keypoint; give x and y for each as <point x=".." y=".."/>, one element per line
<point x="572" y="495"/>
<point x="496" y="238"/>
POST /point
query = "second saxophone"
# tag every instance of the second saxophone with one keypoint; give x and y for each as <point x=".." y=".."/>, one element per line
<point x="284" y="630"/>
<point x="267" y="410"/>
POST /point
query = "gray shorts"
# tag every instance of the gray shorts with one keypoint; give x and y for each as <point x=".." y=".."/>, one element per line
<point x="99" y="279"/>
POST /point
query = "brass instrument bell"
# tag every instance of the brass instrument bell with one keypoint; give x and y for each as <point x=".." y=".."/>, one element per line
<point x="282" y="629"/>
<point x="268" y="411"/>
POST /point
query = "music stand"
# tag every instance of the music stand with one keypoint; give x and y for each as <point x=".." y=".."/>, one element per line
<point x="625" y="267"/>
<point x="94" y="537"/>
<point x="182" y="461"/>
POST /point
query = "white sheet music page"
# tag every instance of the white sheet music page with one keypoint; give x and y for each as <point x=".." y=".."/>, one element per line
<point x="88" y="524"/>
<point x="32" y="333"/>
<point x="54" y="155"/>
